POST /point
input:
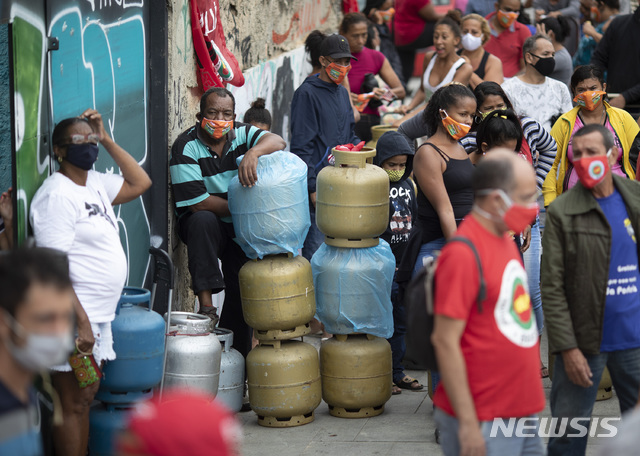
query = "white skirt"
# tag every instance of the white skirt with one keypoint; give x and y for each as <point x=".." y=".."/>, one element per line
<point x="102" y="349"/>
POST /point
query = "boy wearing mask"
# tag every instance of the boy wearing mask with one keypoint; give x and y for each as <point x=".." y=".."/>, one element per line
<point x="395" y="156"/>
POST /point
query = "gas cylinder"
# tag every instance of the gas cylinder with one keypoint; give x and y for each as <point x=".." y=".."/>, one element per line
<point x="377" y="131"/>
<point x="353" y="289"/>
<point x="356" y="375"/>
<point x="271" y="216"/>
<point x="193" y="353"/>
<point x="278" y="299"/>
<point x="138" y="340"/>
<point x="231" y="385"/>
<point x="352" y="203"/>
<point x="106" y="421"/>
<point x="284" y="382"/>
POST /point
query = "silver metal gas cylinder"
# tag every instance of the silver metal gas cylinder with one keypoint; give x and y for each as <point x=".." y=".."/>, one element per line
<point x="193" y="353"/>
<point x="231" y="385"/>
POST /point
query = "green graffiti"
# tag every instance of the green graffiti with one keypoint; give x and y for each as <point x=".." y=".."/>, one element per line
<point x="31" y="163"/>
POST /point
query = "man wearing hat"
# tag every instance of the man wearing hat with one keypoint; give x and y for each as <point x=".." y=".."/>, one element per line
<point x="322" y="118"/>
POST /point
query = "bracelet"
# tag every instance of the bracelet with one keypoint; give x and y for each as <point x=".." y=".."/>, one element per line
<point x="80" y="352"/>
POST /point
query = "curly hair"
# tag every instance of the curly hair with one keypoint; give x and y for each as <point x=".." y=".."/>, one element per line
<point x="444" y="98"/>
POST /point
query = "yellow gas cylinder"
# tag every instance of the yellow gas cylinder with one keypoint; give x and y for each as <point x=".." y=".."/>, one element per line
<point x="356" y="375"/>
<point x="278" y="299"/>
<point x="377" y="131"/>
<point x="284" y="382"/>
<point x="352" y="200"/>
<point x="605" y="390"/>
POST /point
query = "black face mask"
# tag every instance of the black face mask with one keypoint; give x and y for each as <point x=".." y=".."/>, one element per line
<point x="545" y="65"/>
<point x="82" y="155"/>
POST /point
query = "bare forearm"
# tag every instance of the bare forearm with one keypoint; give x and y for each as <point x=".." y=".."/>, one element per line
<point x="447" y="222"/>
<point x="215" y="204"/>
<point x="453" y="372"/>
<point x="267" y="144"/>
<point x="132" y="172"/>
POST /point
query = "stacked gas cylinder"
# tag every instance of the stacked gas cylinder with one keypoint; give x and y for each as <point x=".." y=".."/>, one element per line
<point x="271" y="221"/>
<point x="353" y="272"/>
<point x="138" y="340"/>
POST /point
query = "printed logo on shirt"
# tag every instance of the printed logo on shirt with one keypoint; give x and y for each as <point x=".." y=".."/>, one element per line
<point x="630" y="231"/>
<point x="401" y="221"/>
<point x="513" y="313"/>
<point x="94" y="209"/>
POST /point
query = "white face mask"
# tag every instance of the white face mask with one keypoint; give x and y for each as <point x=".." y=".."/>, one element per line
<point x="470" y="42"/>
<point x="41" y="351"/>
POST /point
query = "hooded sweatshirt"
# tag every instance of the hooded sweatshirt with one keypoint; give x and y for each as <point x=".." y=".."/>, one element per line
<point x="321" y="118"/>
<point x="402" y="194"/>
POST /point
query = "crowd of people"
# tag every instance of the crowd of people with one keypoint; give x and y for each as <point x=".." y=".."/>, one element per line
<point x="513" y="112"/>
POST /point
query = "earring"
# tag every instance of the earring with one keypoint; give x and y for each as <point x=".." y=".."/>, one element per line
<point x="59" y="159"/>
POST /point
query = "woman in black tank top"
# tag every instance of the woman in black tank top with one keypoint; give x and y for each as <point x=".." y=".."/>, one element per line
<point x="442" y="168"/>
<point x="475" y="34"/>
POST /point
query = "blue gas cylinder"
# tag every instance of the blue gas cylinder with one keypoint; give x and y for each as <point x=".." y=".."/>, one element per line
<point x="106" y="421"/>
<point x="138" y="340"/>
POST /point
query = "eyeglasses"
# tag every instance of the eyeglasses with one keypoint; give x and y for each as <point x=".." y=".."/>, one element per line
<point x="81" y="139"/>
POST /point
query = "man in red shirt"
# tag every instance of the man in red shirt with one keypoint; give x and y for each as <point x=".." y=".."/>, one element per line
<point x="488" y="359"/>
<point x="507" y="36"/>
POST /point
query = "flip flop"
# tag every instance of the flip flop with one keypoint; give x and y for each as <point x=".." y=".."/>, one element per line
<point x="410" y="384"/>
<point x="395" y="390"/>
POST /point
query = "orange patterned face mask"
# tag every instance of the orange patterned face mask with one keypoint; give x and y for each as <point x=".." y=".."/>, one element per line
<point x="336" y="72"/>
<point x="456" y="129"/>
<point x="386" y="15"/>
<point x="216" y="128"/>
<point x="590" y="99"/>
<point x="507" y="19"/>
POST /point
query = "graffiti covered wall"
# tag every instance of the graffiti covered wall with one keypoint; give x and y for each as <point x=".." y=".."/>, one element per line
<point x="29" y="106"/>
<point x="68" y="56"/>
<point x="274" y="80"/>
<point x="101" y="63"/>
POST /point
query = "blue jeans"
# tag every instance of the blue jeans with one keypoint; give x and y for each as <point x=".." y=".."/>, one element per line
<point x="427" y="251"/>
<point x="314" y="237"/>
<point x="396" y="341"/>
<point x="499" y="445"/>
<point x="573" y="401"/>
<point x="532" y="266"/>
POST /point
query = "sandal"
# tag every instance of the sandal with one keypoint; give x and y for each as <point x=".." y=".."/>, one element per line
<point x="395" y="390"/>
<point x="544" y="372"/>
<point x="409" y="384"/>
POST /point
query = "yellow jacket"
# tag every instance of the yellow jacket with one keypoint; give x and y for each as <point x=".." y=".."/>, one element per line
<point x="625" y="127"/>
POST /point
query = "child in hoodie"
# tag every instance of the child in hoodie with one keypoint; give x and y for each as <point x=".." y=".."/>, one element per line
<point x="395" y="156"/>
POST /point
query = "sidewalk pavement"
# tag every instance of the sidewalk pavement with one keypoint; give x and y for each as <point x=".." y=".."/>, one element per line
<point x="405" y="428"/>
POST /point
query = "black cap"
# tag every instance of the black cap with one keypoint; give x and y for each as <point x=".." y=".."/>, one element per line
<point x="335" y="46"/>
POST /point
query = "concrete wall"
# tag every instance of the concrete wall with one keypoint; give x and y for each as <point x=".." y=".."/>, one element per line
<point x="267" y="38"/>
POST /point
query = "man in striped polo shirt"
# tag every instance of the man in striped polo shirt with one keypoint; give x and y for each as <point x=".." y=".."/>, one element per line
<point x="203" y="162"/>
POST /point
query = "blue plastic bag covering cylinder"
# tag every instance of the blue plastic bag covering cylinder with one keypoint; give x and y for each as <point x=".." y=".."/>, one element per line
<point x="138" y="340"/>
<point x="353" y="289"/>
<point x="272" y="216"/>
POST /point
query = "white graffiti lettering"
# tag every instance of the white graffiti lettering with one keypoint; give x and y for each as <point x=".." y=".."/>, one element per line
<point x="101" y="4"/>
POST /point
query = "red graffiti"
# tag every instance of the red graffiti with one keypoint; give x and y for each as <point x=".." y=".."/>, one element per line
<point x="307" y="21"/>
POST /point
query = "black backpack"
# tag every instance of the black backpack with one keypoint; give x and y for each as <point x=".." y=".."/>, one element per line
<point x="419" y="305"/>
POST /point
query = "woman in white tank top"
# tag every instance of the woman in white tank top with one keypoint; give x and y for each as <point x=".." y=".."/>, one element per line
<point x="441" y="66"/>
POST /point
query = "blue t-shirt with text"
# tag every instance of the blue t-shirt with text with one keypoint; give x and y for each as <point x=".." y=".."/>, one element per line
<point x="621" y="329"/>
